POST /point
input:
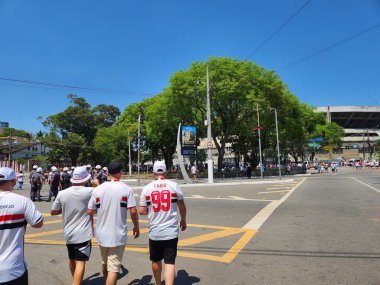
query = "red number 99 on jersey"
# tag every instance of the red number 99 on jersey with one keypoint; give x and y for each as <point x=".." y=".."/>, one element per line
<point x="161" y="201"/>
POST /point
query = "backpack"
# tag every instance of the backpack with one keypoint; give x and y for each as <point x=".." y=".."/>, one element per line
<point x="65" y="180"/>
<point x="55" y="179"/>
<point x="36" y="179"/>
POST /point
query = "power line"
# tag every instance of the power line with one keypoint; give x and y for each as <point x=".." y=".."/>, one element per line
<point x="323" y="50"/>
<point x="39" y="84"/>
<point x="279" y="29"/>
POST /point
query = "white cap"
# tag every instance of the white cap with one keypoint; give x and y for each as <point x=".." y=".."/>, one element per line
<point x="39" y="169"/>
<point x="65" y="169"/>
<point x="98" y="167"/>
<point x="72" y="167"/>
<point x="105" y="168"/>
<point x="159" y="167"/>
<point x="88" y="166"/>
<point x="7" y="173"/>
<point x="80" y="175"/>
<point x="35" y="166"/>
<point x="53" y="168"/>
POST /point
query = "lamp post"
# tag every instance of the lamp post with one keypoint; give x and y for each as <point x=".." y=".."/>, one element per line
<point x="138" y="150"/>
<point x="210" y="167"/>
<point x="278" y="143"/>
<point x="259" y="133"/>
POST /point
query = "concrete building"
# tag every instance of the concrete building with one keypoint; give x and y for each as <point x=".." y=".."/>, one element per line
<point x="362" y="129"/>
<point x="3" y="125"/>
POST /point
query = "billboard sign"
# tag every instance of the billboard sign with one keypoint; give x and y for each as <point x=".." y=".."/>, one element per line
<point x="188" y="140"/>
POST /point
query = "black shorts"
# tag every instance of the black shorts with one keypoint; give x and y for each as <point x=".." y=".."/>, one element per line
<point x="79" y="251"/>
<point x="22" y="280"/>
<point x="163" y="249"/>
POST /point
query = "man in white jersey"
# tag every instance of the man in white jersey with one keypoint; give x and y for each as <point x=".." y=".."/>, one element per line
<point x="110" y="201"/>
<point x="16" y="212"/>
<point x="161" y="200"/>
<point x="72" y="204"/>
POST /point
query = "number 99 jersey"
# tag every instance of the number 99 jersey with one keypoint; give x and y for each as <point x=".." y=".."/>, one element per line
<point x="160" y="196"/>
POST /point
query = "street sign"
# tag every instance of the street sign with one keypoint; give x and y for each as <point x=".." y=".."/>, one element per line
<point x="328" y="147"/>
<point x="314" y="145"/>
<point x="316" y="140"/>
<point x="209" y="144"/>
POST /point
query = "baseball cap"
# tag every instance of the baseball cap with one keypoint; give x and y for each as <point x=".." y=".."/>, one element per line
<point x="7" y="173"/>
<point x="80" y="175"/>
<point x="159" y="167"/>
<point x="65" y="169"/>
<point x="53" y="168"/>
<point x="98" y="167"/>
<point x="115" y="167"/>
<point x="35" y="166"/>
<point x="39" y="169"/>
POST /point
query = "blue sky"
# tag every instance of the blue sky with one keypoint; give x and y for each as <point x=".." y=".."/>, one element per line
<point x="137" y="45"/>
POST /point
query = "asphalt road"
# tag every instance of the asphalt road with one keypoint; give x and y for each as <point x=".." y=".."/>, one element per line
<point x="318" y="229"/>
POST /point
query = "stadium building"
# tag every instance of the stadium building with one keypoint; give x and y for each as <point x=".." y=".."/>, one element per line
<point x="362" y="130"/>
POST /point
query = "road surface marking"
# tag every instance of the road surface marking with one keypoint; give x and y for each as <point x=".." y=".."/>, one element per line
<point x="237" y="198"/>
<point x="369" y="186"/>
<point x="185" y="250"/>
<point x="270" y="192"/>
<point x="257" y="221"/>
<point x="208" y="237"/>
<point x="237" y="247"/>
<point x="228" y="199"/>
<point x="196" y="197"/>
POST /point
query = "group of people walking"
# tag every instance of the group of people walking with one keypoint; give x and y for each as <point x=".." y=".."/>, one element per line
<point x="162" y="200"/>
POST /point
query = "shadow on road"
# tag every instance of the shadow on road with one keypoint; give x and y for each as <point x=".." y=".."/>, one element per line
<point x="182" y="278"/>
<point x="97" y="278"/>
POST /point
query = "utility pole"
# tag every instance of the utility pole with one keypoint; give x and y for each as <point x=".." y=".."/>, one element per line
<point x="259" y="133"/>
<point x="129" y="154"/>
<point x="278" y="144"/>
<point x="209" y="137"/>
<point x="138" y="150"/>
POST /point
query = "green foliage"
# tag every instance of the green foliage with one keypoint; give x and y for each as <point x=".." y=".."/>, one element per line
<point x="333" y="134"/>
<point x="15" y="132"/>
<point x="73" y="130"/>
<point x="111" y="144"/>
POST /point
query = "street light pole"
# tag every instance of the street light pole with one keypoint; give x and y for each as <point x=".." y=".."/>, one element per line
<point x="209" y="137"/>
<point x="138" y="150"/>
<point x="129" y="154"/>
<point x="259" y="133"/>
<point x="278" y="143"/>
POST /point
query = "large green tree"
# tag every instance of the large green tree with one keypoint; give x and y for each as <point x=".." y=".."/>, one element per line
<point x="72" y="131"/>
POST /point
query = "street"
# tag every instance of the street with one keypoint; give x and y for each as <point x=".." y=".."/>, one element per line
<point x="317" y="229"/>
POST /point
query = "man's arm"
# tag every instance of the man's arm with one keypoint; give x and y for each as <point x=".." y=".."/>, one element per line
<point x="182" y="213"/>
<point x="143" y="210"/>
<point x="91" y="212"/>
<point x="55" y="212"/>
<point x="39" y="224"/>
<point x="135" y="220"/>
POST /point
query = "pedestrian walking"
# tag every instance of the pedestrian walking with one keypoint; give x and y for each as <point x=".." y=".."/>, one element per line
<point x="249" y="171"/>
<point x="65" y="178"/>
<point x="16" y="212"/>
<point x="37" y="180"/>
<point x="194" y="171"/>
<point x="20" y="179"/>
<point x="55" y="183"/>
<point x="111" y="201"/>
<point x="161" y="200"/>
<point x="77" y="224"/>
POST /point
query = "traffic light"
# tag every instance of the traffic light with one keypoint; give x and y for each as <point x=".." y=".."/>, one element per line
<point x="323" y="134"/>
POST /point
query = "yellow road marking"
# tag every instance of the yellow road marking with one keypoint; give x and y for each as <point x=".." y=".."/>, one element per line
<point x="222" y="232"/>
<point x="41" y="234"/>
<point x="237" y="247"/>
<point x="208" y="237"/>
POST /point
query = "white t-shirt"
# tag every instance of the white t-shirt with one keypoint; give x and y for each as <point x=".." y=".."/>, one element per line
<point x="73" y="202"/>
<point x="193" y="170"/>
<point x="20" y="177"/>
<point x="112" y="199"/>
<point x="15" y="212"/>
<point x="160" y="196"/>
